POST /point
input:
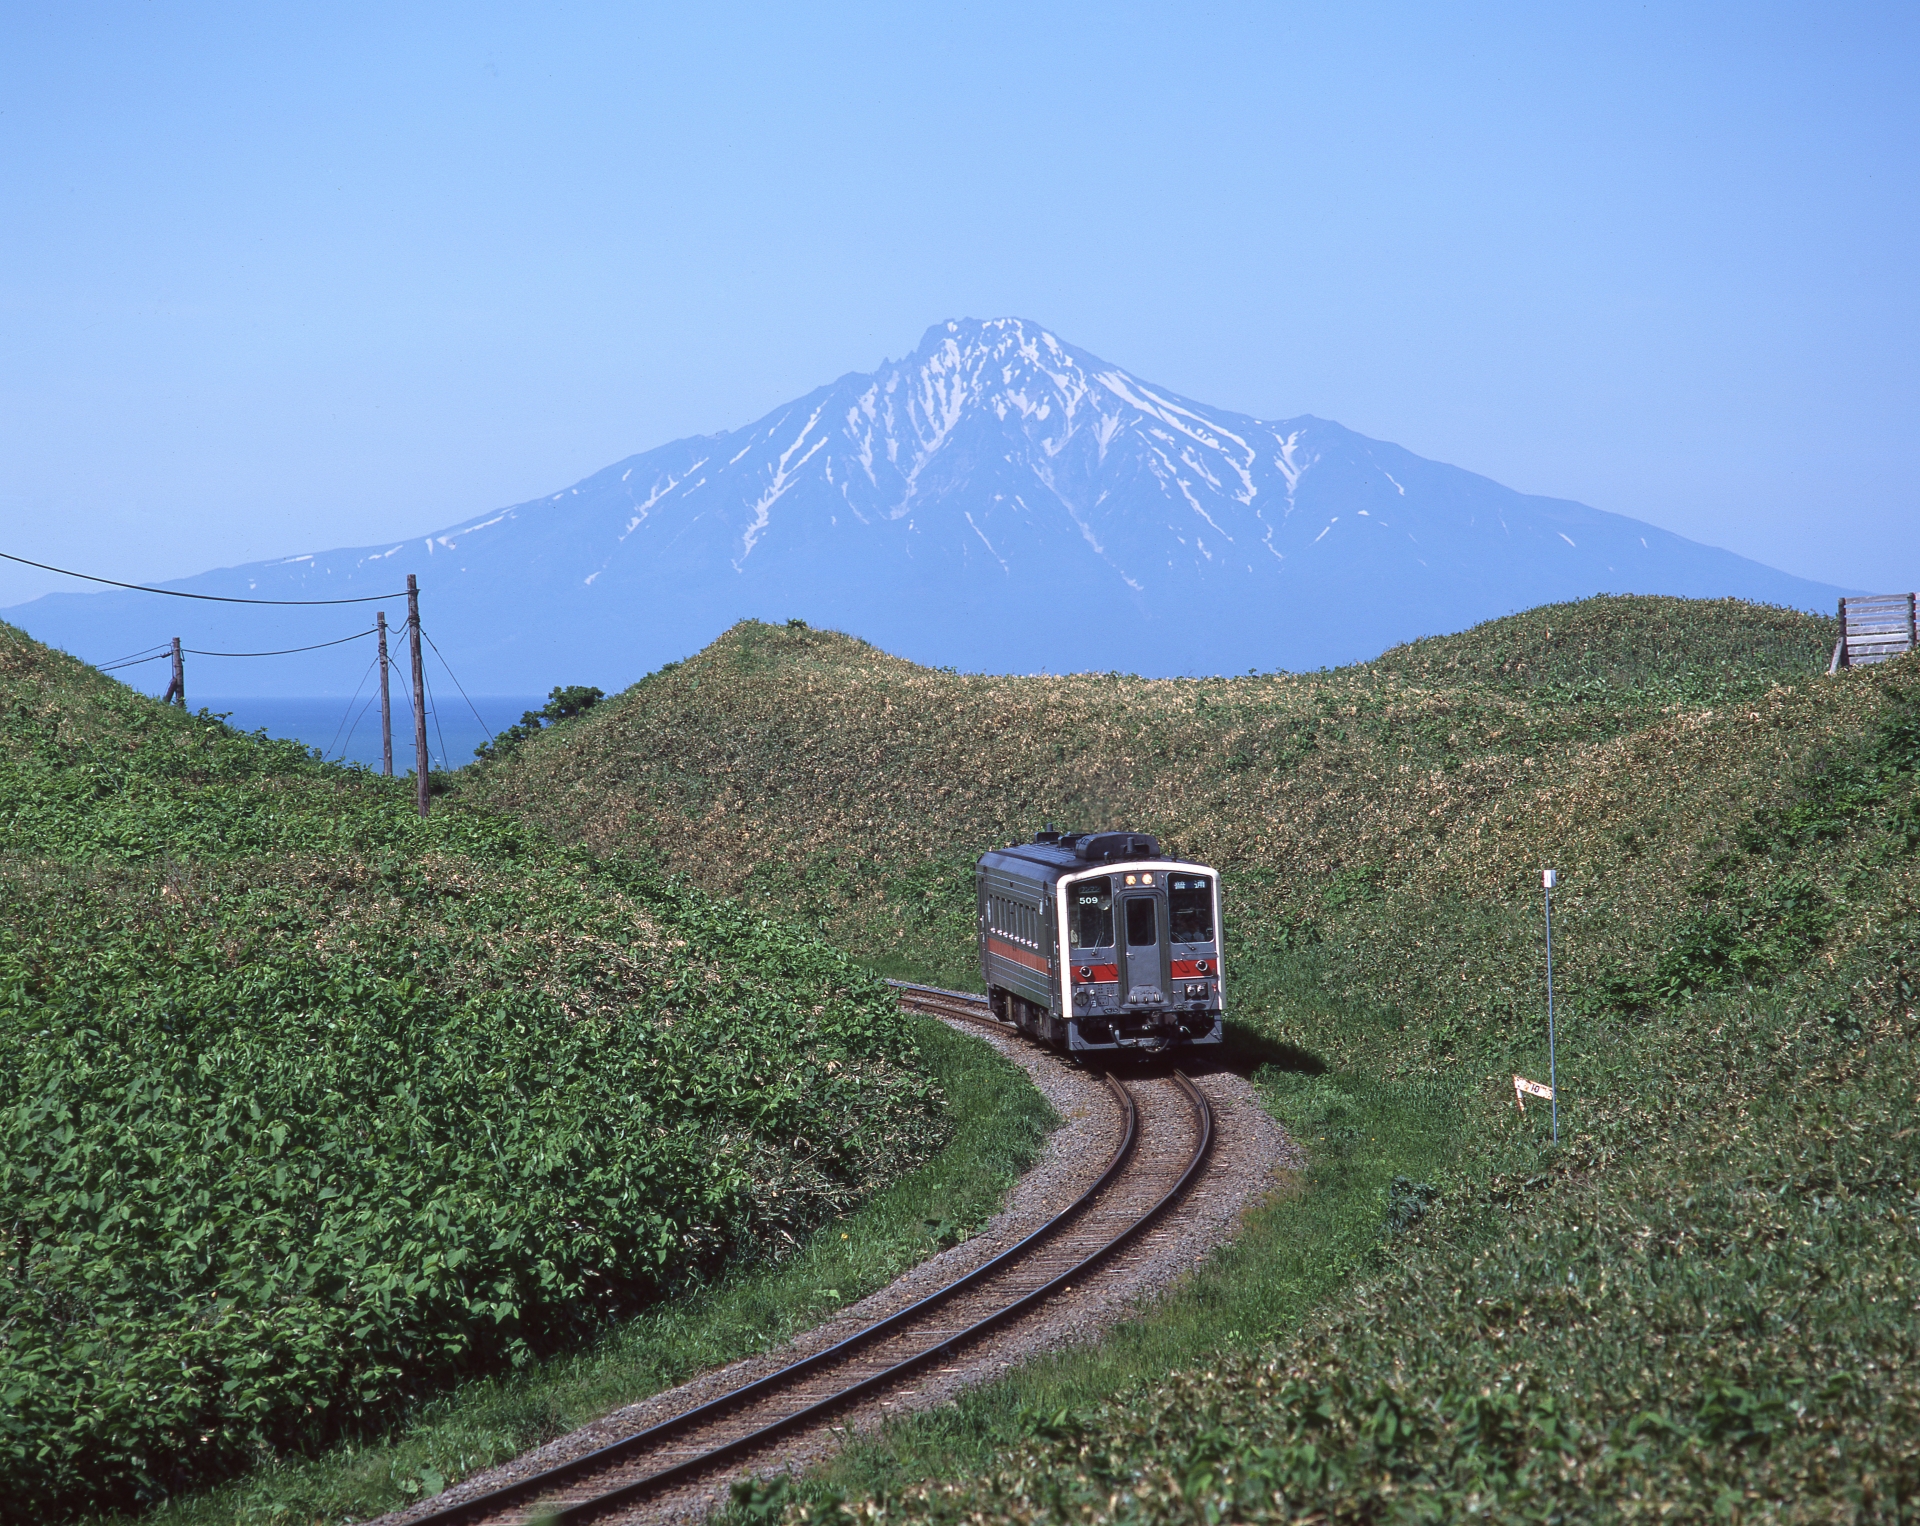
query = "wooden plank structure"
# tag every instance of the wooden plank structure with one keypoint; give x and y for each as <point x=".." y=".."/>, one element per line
<point x="1874" y="628"/>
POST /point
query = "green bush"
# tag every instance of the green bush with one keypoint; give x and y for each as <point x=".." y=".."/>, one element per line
<point x="563" y="704"/>
<point x="308" y="1107"/>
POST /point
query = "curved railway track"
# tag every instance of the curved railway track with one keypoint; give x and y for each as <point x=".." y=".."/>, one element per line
<point x="1164" y="1135"/>
<point x="936" y="1001"/>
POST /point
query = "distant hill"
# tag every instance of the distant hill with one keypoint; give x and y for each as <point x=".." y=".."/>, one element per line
<point x="999" y="500"/>
<point x="817" y="776"/>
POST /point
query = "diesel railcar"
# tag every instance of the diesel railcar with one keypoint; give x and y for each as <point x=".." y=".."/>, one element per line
<point x="1095" y="941"/>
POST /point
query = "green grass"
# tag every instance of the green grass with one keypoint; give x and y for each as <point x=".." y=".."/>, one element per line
<point x="310" y="1110"/>
<point x="1701" y="1306"/>
<point x="1296" y="1251"/>
<point x="1701" y="1303"/>
<point x="998" y="1121"/>
<point x="1666" y="647"/>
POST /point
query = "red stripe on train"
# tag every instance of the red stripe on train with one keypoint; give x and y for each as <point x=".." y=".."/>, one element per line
<point x="1086" y="973"/>
<point x="1018" y="955"/>
<point x="1193" y="969"/>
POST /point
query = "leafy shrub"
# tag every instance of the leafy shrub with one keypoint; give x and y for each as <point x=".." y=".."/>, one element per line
<point x="1407" y="1204"/>
<point x="563" y="704"/>
<point x="308" y="1107"/>
<point x="1741" y="938"/>
<point x="1353" y="886"/>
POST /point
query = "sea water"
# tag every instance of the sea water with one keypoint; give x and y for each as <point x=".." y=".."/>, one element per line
<point x="349" y="731"/>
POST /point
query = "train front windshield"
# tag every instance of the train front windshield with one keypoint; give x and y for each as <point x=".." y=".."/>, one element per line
<point x="1093" y="913"/>
<point x="1190" y="907"/>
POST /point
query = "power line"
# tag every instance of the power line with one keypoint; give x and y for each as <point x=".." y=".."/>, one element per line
<point x="434" y="711"/>
<point x="194" y="651"/>
<point x="143" y="655"/>
<point x="134" y="662"/>
<point x="456" y="683"/>
<point x="350" y="703"/>
<point x="355" y="727"/>
<point x="211" y="598"/>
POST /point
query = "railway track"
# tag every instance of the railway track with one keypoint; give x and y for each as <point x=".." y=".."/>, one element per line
<point x="936" y="1001"/>
<point x="1165" y="1130"/>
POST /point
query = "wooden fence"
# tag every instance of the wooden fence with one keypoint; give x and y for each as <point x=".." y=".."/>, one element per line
<point x="1874" y="628"/>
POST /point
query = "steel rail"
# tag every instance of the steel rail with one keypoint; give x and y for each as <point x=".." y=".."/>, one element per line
<point x="935" y="1001"/>
<point x="972" y="998"/>
<point x="584" y="1510"/>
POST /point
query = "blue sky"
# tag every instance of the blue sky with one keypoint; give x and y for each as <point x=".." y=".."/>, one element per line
<point x="275" y="278"/>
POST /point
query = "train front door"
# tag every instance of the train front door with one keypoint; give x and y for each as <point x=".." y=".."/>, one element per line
<point x="1144" y="951"/>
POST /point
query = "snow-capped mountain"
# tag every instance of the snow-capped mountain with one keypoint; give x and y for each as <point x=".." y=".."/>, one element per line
<point x="999" y="499"/>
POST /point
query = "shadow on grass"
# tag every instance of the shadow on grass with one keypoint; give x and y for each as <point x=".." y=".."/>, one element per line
<point x="1245" y="1050"/>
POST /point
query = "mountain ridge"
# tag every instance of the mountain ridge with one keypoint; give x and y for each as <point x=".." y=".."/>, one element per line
<point x="997" y="499"/>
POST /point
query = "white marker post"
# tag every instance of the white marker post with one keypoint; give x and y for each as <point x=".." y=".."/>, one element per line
<point x="1549" y="881"/>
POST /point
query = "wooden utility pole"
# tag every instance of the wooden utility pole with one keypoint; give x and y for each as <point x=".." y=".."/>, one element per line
<point x="386" y="704"/>
<point x="419" y="696"/>
<point x="177" y="689"/>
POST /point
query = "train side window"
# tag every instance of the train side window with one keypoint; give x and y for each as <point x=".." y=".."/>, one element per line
<point x="1190" y="908"/>
<point x="1093" y="913"/>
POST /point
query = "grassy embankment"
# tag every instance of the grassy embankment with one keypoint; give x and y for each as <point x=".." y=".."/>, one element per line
<point x="1703" y="1300"/>
<point x="331" y="1133"/>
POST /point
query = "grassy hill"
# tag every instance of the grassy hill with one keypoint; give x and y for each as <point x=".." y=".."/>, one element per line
<point x="1702" y="1301"/>
<point x="309" y="1108"/>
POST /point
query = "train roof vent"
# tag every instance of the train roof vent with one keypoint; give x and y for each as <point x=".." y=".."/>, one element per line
<point x="1105" y="847"/>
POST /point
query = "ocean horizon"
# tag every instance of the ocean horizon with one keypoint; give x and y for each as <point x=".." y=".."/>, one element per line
<point x="348" y="731"/>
